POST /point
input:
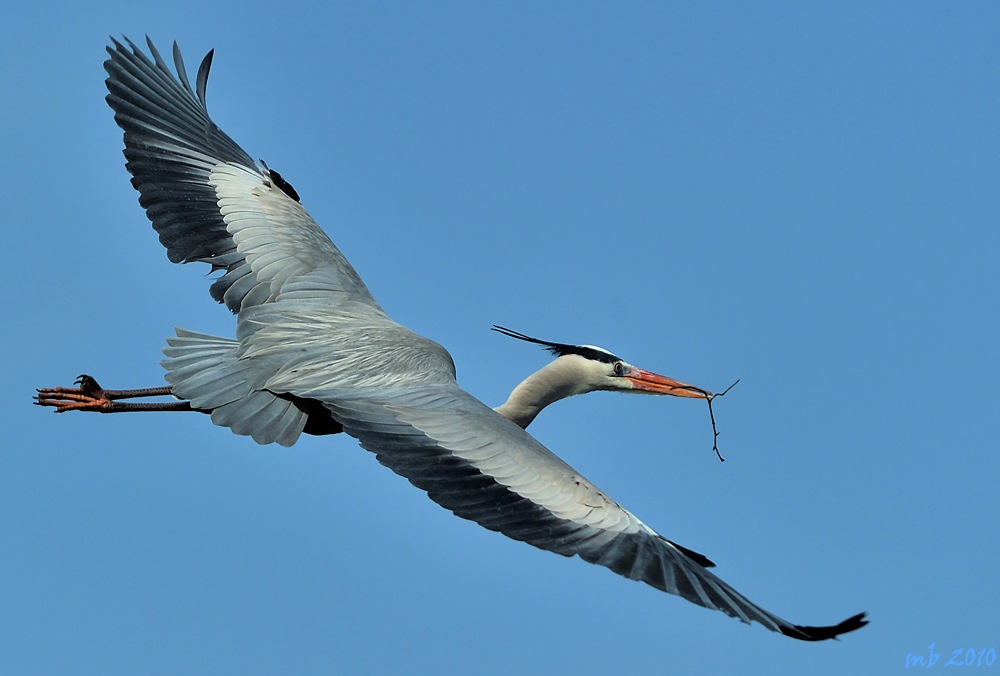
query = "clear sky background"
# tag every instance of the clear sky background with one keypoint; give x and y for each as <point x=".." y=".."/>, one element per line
<point x="804" y="196"/>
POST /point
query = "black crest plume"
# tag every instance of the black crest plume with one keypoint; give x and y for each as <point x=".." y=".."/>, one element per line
<point x="562" y="349"/>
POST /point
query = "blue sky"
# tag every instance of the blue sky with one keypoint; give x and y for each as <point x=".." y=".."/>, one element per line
<point x="804" y="196"/>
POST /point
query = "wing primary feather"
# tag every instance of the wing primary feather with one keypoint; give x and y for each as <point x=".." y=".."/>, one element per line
<point x="700" y="559"/>
<point x="181" y="70"/>
<point x="160" y="63"/>
<point x="202" y="80"/>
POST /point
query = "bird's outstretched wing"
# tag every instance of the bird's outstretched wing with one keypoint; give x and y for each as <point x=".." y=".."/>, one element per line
<point x="388" y="387"/>
<point x="209" y="201"/>
<point x="485" y="468"/>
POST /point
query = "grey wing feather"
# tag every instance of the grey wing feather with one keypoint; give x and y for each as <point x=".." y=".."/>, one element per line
<point x="485" y="468"/>
<point x="207" y="199"/>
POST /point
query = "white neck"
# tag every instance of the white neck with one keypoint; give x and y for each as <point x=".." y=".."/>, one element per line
<point x="562" y="378"/>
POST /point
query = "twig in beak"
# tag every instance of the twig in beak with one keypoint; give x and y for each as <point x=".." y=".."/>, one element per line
<point x="715" y="432"/>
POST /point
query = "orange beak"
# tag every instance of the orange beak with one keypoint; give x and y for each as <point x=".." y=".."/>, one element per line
<point x="646" y="381"/>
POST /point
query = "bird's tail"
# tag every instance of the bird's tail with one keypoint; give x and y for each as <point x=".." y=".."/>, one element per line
<point x="207" y="371"/>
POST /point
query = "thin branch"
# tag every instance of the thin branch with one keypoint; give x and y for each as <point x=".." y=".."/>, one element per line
<point x="715" y="431"/>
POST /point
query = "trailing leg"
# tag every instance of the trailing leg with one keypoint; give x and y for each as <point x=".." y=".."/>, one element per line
<point x="90" y="396"/>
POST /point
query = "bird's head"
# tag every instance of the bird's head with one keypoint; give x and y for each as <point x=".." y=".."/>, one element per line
<point x="594" y="368"/>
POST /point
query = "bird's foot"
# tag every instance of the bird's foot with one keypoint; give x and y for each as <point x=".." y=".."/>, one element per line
<point x="89" y="396"/>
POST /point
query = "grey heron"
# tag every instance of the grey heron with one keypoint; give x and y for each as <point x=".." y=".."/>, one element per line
<point x="315" y="353"/>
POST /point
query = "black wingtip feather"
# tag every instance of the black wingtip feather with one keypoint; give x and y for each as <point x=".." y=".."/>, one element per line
<point x="160" y="63"/>
<point x="700" y="559"/>
<point x="825" y="633"/>
<point x="202" y="80"/>
<point x="181" y="70"/>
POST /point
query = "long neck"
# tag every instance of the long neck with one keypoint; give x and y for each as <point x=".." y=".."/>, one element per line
<point x="560" y="379"/>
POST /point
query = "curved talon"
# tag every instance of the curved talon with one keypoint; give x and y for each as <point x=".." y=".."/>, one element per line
<point x="88" y="383"/>
<point x="88" y="397"/>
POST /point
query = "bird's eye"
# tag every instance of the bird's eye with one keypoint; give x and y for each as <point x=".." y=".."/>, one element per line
<point x="619" y="368"/>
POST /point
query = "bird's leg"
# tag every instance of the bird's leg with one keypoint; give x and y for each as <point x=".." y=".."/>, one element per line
<point x="90" y="396"/>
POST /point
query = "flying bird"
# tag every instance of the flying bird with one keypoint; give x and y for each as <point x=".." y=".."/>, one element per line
<point x="315" y="353"/>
